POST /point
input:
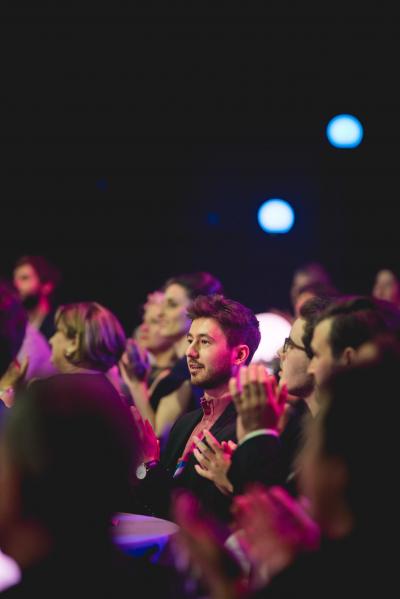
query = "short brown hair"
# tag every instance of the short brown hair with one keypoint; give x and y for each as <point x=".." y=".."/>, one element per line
<point x="101" y="338"/>
<point x="239" y="323"/>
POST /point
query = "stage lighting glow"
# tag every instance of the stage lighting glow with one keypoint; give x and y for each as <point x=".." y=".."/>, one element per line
<point x="344" y="131"/>
<point x="276" y="216"/>
<point x="273" y="328"/>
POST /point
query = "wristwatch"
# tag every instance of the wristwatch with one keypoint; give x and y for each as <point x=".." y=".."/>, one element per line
<point x="144" y="467"/>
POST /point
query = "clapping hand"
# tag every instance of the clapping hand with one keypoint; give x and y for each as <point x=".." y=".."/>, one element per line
<point x="258" y="400"/>
<point x="214" y="460"/>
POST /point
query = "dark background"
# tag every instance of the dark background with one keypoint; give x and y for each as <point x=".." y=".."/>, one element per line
<point x="138" y="143"/>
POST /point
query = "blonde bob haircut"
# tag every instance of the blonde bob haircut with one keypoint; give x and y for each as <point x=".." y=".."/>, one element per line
<point x="100" y="336"/>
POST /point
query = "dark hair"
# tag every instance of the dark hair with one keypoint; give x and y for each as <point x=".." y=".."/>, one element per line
<point x="46" y="271"/>
<point x="319" y="288"/>
<point x="350" y="432"/>
<point x="309" y="312"/>
<point x="239" y="323"/>
<point x="316" y="272"/>
<point x="13" y="322"/>
<point x="74" y="445"/>
<point x="197" y="283"/>
<point x="358" y="319"/>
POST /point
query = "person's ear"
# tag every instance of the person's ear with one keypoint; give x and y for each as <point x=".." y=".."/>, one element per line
<point x="72" y="347"/>
<point x="348" y="357"/>
<point x="241" y="353"/>
<point x="47" y="288"/>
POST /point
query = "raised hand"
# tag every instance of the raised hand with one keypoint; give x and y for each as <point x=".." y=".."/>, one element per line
<point x="135" y="363"/>
<point x="214" y="461"/>
<point x="12" y="379"/>
<point x="150" y="445"/>
<point x="274" y="528"/>
<point x="200" y="542"/>
<point x="259" y="403"/>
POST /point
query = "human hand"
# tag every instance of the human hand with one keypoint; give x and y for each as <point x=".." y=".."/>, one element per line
<point x="258" y="401"/>
<point x="135" y="363"/>
<point x="201" y="545"/>
<point x="150" y="445"/>
<point x="274" y="529"/>
<point x="214" y="461"/>
<point x="11" y="380"/>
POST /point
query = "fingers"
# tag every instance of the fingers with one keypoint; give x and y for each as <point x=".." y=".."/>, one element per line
<point x="203" y="472"/>
<point x="211" y="440"/>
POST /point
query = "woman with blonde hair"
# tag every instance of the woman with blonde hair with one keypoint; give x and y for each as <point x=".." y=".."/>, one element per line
<point x="89" y="340"/>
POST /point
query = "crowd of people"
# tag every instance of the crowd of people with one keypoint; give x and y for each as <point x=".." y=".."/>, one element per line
<point x="281" y="482"/>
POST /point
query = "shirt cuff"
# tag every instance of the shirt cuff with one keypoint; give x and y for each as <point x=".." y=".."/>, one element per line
<point x="258" y="432"/>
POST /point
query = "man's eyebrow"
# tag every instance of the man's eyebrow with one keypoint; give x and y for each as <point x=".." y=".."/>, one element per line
<point x="201" y="336"/>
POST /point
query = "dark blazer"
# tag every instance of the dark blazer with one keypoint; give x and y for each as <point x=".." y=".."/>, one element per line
<point x="267" y="459"/>
<point x="256" y="460"/>
<point x="153" y="494"/>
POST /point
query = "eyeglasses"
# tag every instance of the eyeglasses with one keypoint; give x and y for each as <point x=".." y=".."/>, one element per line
<point x="289" y="344"/>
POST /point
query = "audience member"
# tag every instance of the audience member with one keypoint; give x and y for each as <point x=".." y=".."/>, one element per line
<point x="36" y="281"/>
<point x="223" y="335"/>
<point x="310" y="273"/>
<point x="67" y="454"/>
<point x="387" y="286"/>
<point x="160" y="348"/>
<point x="344" y="327"/>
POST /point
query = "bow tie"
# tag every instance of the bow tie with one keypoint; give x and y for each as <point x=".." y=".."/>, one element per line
<point x="207" y="406"/>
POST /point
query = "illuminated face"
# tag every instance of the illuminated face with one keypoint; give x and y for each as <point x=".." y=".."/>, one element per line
<point x="149" y="333"/>
<point x="323" y="363"/>
<point x="386" y="286"/>
<point x="295" y="363"/>
<point x="60" y="344"/>
<point x="210" y="359"/>
<point x="26" y="281"/>
<point x="174" y="322"/>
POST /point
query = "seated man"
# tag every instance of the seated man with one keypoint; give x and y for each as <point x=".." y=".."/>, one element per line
<point x="260" y="415"/>
<point x="222" y="337"/>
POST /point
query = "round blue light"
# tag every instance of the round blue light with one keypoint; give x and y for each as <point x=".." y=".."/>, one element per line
<point x="344" y="131"/>
<point x="276" y="216"/>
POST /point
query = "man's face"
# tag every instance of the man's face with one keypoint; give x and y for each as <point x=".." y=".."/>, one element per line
<point x="295" y="363"/>
<point x="323" y="363"/>
<point x="26" y="281"/>
<point x="210" y="359"/>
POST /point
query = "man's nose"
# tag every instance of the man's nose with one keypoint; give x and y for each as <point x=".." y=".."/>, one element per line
<point x="191" y="351"/>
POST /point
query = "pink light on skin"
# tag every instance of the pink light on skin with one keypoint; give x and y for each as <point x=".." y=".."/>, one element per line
<point x="10" y="573"/>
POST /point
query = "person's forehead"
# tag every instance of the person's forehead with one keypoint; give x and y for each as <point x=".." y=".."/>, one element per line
<point x="322" y="332"/>
<point x="25" y="270"/>
<point x="297" y="330"/>
<point x="152" y="310"/>
<point x="176" y="292"/>
<point x="206" y="326"/>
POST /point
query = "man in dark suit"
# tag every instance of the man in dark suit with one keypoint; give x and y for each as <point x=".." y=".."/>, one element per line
<point x="223" y="336"/>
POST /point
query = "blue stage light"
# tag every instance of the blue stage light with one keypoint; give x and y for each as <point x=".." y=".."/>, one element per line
<point x="276" y="216"/>
<point x="344" y="131"/>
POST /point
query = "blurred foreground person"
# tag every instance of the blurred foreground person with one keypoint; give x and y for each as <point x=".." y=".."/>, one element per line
<point x="67" y="454"/>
